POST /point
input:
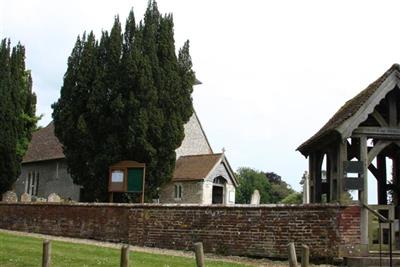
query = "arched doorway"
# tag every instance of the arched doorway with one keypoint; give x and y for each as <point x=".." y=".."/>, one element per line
<point x="218" y="190"/>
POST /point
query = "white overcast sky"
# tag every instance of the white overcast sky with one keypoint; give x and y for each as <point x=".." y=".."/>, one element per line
<point x="273" y="72"/>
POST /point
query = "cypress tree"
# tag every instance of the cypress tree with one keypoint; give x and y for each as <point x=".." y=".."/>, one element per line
<point x="17" y="112"/>
<point x="129" y="101"/>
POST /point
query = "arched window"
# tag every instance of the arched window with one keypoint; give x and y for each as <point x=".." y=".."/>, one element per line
<point x="219" y="180"/>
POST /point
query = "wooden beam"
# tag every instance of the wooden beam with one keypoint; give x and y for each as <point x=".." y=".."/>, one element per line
<point x="340" y="159"/>
<point x="328" y="189"/>
<point x="363" y="194"/>
<point x="392" y="111"/>
<point x="332" y="174"/>
<point x="378" y="147"/>
<point x="378" y="117"/>
<point x="382" y="179"/>
<point x="377" y="132"/>
<point x="396" y="180"/>
<point x="319" y="157"/>
<point x="373" y="170"/>
<point x="311" y="173"/>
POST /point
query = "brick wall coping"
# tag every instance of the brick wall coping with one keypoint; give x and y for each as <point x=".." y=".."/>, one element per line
<point x="183" y="206"/>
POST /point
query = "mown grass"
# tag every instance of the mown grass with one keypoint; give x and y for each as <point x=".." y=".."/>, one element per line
<point x="20" y="251"/>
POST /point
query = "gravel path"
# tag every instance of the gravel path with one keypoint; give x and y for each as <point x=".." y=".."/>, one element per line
<point x="189" y="254"/>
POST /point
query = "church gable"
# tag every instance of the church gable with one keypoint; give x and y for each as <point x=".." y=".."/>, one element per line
<point x="222" y="169"/>
<point x="195" y="141"/>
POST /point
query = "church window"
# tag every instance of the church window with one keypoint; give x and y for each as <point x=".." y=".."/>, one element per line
<point x="32" y="183"/>
<point x="178" y="191"/>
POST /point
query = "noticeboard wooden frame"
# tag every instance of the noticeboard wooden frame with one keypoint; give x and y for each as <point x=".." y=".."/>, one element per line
<point x="122" y="187"/>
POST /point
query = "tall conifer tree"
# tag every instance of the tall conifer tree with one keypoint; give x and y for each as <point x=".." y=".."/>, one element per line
<point x="129" y="101"/>
<point x="17" y="112"/>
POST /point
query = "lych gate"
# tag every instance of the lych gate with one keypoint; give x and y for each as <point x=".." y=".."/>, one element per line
<point x="362" y="137"/>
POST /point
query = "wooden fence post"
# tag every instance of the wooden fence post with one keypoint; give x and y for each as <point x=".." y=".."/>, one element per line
<point x="46" y="256"/>
<point x="305" y="256"/>
<point x="198" y="248"/>
<point x="124" y="256"/>
<point x="292" y="255"/>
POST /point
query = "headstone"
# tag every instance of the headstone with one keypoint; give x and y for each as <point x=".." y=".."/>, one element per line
<point x="25" y="197"/>
<point x="53" y="197"/>
<point x="10" y="197"/>
<point x="255" y="197"/>
<point x="40" y="199"/>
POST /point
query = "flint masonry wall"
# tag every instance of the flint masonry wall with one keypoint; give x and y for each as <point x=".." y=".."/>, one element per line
<point x="236" y="230"/>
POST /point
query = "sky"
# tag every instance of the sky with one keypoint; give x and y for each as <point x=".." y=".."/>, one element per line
<point x="272" y="72"/>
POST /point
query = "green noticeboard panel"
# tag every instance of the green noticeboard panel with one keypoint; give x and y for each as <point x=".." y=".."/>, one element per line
<point x="135" y="179"/>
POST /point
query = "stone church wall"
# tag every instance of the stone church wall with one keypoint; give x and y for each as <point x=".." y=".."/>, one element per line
<point x="53" y="178"/>
<point x="195" y="141"/>
<point x="192" y="192"/>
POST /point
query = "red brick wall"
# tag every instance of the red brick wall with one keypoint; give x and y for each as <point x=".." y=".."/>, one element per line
<point x="238" y="230"/>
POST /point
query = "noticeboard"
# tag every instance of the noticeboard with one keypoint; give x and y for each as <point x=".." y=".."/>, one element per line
<point x="126" y="176"/>
<point x="116" y="183"/>
<point x="135" y="179"/>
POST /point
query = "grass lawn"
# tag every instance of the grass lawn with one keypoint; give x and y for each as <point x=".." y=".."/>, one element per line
<point x="27" y="251"/>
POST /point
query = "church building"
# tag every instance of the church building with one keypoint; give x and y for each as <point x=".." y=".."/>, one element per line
<point x="200" y="176"/>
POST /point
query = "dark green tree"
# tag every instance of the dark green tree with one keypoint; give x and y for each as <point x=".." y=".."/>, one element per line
<point x="270" y="185"/>
<point x="293" y="198"/>
<point x="250" y="180"/>
<point x="279" y="188"/>
<point x="125" y="97"/>
<point x="17" y="112"/>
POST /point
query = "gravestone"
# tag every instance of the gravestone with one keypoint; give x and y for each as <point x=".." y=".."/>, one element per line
<point x="255" y="198"/>
<point x="40" y="199"/>
<point x="25" y="197"/>
<point x="53" y="197"/>
<point x="10" y="197"/>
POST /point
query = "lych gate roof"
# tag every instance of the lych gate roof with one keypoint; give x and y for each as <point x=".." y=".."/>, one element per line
<point x="348" y="110"/>
<point x="44" y="146"/>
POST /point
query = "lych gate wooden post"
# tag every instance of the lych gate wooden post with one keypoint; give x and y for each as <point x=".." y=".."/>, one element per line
<point x="341" y="157"/>
<point x="363" y="194"/>
<point x="381" y="179"/>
